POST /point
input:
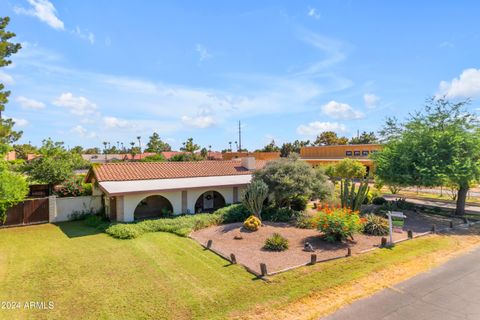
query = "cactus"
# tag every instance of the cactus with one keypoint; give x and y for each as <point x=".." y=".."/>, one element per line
<point x="254" y="196"/>
<point x="350" y="197"/>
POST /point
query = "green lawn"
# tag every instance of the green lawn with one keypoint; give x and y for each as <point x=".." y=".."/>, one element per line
<point x="91" y="275"/>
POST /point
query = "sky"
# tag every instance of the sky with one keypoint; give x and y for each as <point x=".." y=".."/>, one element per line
<point x="94" y="71"/>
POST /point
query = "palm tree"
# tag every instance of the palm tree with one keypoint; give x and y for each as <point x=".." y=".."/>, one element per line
<point x="230" y="143"/>
<point x="139" y="143"/>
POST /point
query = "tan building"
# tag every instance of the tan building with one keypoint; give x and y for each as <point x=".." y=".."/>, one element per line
<point x="257" y="155"/>
<point x="324" y="155"/>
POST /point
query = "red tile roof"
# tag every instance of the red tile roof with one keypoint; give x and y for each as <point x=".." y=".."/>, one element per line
<point x="126" y="171"/>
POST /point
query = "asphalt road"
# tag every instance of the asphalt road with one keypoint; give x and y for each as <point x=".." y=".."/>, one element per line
<point x="451" y="291"/>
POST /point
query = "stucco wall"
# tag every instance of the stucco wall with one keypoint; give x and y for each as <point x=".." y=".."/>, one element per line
<point x="66" y="206"/>
<point x="130" y="201"/>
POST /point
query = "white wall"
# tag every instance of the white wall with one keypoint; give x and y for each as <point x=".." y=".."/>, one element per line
<point x="66" y="206"/>
<point x="130" y="201"/>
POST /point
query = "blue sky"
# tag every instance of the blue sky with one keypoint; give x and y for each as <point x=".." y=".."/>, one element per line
<point x="93" y="71"/>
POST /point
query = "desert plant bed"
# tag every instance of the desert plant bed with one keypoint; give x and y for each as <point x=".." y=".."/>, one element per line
<point x="248" y="247"/>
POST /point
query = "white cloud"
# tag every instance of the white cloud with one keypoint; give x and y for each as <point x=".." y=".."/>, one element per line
<point x="314" y="128"/>
<point x="339" y="110"/>
<point x="44" y="11"/>
<point x="79" y="106"/>
<point x="370" y="100"/>
<point x="465" y="86"/>
<point x="20" y="122"/>
<point x="86" y="35"/>
<point x="203" y="52"/>
<point x="83" y="132"/>
<point x="5" y="78"/>
<point x="202" y="121"/>
<point x="312" y="12"/>
<point x="27" y="103"/>
<point x="113" y="122"/>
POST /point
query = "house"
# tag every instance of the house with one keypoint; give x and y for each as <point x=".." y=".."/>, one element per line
<point x="139" y="190"/>
<point x="324" y="155"/>
<point x="11" y="156"/>
<point x="112" y="157"/>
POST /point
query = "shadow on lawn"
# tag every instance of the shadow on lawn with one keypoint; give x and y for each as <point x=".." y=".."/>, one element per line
<point x="75" y="229"/>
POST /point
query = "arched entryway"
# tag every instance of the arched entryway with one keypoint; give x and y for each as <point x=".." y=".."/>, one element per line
<point x="153" y="207"/>
<point x="209" y="201"/>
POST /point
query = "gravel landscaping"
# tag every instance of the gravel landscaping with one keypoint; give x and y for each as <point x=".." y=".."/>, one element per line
<point x="248" y="246"/>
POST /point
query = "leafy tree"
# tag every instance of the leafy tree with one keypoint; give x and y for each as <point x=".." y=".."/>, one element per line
<point x="349" y="169"/>
<point x="186" y="157"/>
<point x="365" y="138"/>
<point x="55" y="164"/>
<point x="289" y="178"/>
<point x="271" y="147"/>
<point x="189" y="146"/>
<point x="289" y="147"/>
<point x="155" y="158"/>
<point x="7" y="48"/>
<point x="77" y="150"/>
<point x="92" y="151"/>
<point x="13" y="186"/>
<point x="329" y="138"/>
<point x="440" y="143"/>
<point x="155" y="144"/>
<point x="204" y="153"/>
<point x="13" y="189"/>
<point x="23" y="150"/>
<point x="254" y="196"/>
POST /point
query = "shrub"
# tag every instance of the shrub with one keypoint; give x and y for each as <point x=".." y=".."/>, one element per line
<point x="375" y="225"/>
<point x="233" y="213"/>
<point x="337" y="224"/>
<point x="124" y="231"/>
<point x="379" y="201"/>
<point x="96" y="221"/>
<point x="305" y="221"/>
<point x="276" y="243"/>
<point x="275" y="214"/>
<point x="299" y="203"/>
<point x="252" y="223"/>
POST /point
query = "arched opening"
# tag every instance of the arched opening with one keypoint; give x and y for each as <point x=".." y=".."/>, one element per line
<point x="153" y="207"/>
<point x="209" y="201"/>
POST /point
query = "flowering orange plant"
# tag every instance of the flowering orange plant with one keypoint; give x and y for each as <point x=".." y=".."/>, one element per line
<point x="337" y="224"/>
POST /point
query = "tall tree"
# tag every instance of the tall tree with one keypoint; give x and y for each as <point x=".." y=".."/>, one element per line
<point x="365" y="138"/>
<point x="23" y="150"/>
<point x="7" y="48"/>
<point x="289" y="147"/>
<point x="329" y="138"/>
<point x="13" y="186"/>
<point x="190" y="146"/>
<point x="271" y="147"/>
<point x="440" y="143"/>
<point x="155" y="144"/>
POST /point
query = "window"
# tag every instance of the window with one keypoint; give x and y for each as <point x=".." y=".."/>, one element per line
<point x="348" y="153"/>
<point x="356" y="153"/>
<point x="365" y="153"/>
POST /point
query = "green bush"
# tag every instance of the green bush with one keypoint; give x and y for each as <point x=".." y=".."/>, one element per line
<point x="124" y="231"/>
<point x="305" y="221"/>
<point x="379" y="201"/>
<point x="375" y="225"/>
<point x="337" y="224"/>
<point x="276" y="243"/>
<point x="233" y="213"/>
<point x="275" y="214"/>
<point x="96" y="221"/>
<point x="299" y="203"/>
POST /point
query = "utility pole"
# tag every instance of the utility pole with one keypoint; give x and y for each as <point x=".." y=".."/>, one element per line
<point x="239" y="136"/>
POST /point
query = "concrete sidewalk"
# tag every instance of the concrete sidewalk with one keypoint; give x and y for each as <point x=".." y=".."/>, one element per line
<point x="451" y="291"/>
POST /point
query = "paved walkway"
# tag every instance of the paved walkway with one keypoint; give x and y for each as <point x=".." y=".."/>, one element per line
<point x="451" y="291"/>
<point x="433" y="203"/>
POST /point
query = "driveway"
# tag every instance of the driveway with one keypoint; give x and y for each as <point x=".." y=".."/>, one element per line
<point x="432" y="203"/>
<point x="451" y="291"/>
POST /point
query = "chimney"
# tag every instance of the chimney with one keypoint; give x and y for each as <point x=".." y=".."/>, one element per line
<point x="249" y="163"/>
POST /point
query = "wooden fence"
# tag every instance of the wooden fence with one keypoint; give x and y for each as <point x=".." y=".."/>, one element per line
<point x="28" y="212"/>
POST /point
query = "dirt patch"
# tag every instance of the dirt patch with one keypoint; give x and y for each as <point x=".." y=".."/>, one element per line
<point x="249" y="250"/>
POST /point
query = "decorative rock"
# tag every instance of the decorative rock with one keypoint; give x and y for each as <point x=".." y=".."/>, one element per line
<point x="308" y="247"/>
<point x="238" y="237"/>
